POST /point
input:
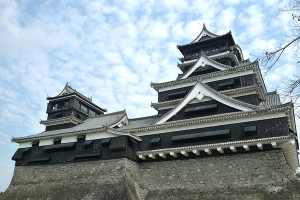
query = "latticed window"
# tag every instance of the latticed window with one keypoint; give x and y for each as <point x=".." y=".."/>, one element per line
<point x="66" y="104"/>
<point x="54" y="107"/>
<point x="83" y="108"/>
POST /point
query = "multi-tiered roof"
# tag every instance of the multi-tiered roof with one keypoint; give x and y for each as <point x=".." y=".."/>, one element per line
<point x="217" y="105"/>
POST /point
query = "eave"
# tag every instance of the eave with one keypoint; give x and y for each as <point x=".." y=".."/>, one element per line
<point x="201" y="90"/>
<point x="286" y="109"/>
<point x="73" y="133"/>
<point x="75" y="95"/>
<point x="185" y="47"/>
<point x="252" y="66"/>
<point x="286" y="143"/>
<point x="202" y="61"/>
<point x="226" y="54"/>
<point x="231" y="92"/>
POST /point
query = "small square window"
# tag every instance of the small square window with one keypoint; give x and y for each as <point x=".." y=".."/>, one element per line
<point x="35" y="143"/>
<point x="57" y="141"/>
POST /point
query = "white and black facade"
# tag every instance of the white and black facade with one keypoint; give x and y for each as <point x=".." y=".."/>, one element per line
<point x="217" y="105"/>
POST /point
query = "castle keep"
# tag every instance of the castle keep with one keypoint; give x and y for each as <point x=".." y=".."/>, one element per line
<point x="217" y="134"/>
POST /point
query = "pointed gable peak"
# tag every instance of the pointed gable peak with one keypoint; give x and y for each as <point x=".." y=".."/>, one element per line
<point x="67" y="90"/>
<point x="203" y="34"/>
<point x="202" y="61"/>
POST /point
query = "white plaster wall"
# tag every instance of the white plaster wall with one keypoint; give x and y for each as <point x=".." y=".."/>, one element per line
<point x="69" y="139"/>
<point x="101" y="135"/>
<point x="25" y="145"/>
<point x="46" y="142"/>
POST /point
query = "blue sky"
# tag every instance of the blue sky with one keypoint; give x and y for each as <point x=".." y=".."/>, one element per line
<point x="112" y="50"/>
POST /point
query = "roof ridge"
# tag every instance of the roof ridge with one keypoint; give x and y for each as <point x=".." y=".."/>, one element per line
<point x="108" y="114"/>
<point x="228" y="97"/>
<point x="203" y="56"/>
<point x="228" y="33"/>
<point x="138" y="118"/>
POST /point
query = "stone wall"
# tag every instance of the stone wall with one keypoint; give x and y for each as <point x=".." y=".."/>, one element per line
<point x="259" y="175"/>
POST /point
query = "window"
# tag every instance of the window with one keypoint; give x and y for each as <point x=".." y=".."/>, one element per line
<point x="230" y="84"/>
<point x="219" y="134"/>
<point x="155" y="142"/>
<point x="201" y="109"/>
<point x="83" y="108"/>
<point x="57" y="141"/>
<point x="92" y="113"/>
<point x="176" y="95"/>
<point x="66" y="104"/>
<point x="88" y="144"/>
<point x="250" y="131"/>
<point x="58" y="115"/>
<point x="81" y="138"/>
<point x="54" y="107"/>
<point x="35" y="143"/>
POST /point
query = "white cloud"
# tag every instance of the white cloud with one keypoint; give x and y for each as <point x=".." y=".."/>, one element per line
<point x="232" y="2"/>
<point x="226" y="18"/>
<point x="157" y="30"/>
<point x="270" y="3"/>
<point x="253" y="21"/>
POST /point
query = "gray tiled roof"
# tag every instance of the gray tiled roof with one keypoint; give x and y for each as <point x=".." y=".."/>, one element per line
<point x="139" y="122"/>
<point x="96" y="122"/>
<point x="272" y="99"/>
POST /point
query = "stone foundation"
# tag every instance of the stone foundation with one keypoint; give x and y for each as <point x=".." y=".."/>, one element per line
<point x="259" y="175"/>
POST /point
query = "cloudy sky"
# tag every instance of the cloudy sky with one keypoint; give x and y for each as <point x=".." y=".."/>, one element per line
<point x="112" y="50"/>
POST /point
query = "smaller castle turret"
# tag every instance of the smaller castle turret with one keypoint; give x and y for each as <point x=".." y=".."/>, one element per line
<point x="68" y="109"/>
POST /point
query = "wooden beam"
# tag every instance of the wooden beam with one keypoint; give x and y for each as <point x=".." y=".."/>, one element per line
<point x="196" y="152"/>
<point x="260" y="146"/>
<point x="186" y="154"/>
<point x="173" y="154"/>
<point x="274" y="144"/>
<point x="220" y="149"/>
<point x="232" y="148"/>
<point x="207" y="151"/>
<point x="162" y="155"/>
<point x="152" y="156"/>
<point x="246" y="147"/>
<point x="142" y="157"/>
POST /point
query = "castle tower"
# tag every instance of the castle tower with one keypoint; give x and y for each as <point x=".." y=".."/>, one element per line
<point x="69" y="108"/>
<point x="218" y="134"/>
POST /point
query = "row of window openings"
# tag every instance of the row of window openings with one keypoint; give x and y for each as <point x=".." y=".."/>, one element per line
<point x="60" y="105"/>
<point x="231" y="84"/>
<point x="207" y="51"/>
<point x="86" y="110"/>
<point x="248" y="131"/>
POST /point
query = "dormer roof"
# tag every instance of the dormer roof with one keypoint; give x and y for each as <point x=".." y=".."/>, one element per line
<point x="205" y="37"/>
<point x="202" y="61"/>
<point x="201" y="90"/>
<point x="204" y="34"/>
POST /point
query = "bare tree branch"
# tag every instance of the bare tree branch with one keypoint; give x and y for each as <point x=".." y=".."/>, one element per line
<point x="291" y="88"/>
